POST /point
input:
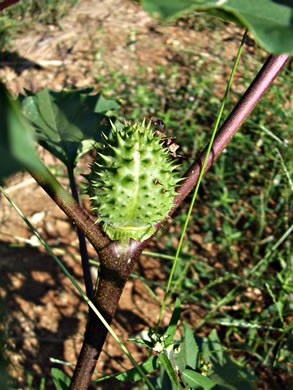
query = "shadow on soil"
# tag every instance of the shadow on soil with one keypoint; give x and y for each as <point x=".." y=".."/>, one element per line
<point x="42" y="312"/>
<point x="36" y="323"/>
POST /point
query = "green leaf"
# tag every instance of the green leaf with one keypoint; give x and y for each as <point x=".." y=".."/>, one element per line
<point x="66" y="122"/>
<point x="150" y="365"/>
<point x="188" y="355"/>
<point x="243" y="324"/>
<point x="61" y="380"/>
<point x="171" y="330"/>
<point x="169" y="369"/>
<point x="196" y="380"/>
<point x="103" y="106"/>
<point x="191" y="348"/>
<point x="225" y="372"/>
<point x="168" y="8"/>
<point x="180" y="357"/>
<point x="29" y="379"/>
<point x="43" y="384"/>
<point x="16" y="141"/>
<point x="270" y="21"/>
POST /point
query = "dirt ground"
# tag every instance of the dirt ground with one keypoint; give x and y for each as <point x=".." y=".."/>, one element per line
<point x="45" y="314"/>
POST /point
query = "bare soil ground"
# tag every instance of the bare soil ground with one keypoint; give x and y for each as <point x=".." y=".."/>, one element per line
<point x="46" y="316"/>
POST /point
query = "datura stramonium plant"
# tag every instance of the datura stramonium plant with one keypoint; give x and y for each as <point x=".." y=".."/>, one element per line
<point x="132" y="182"/>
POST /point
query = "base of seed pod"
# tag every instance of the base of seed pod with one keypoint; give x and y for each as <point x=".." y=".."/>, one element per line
<point x="139" y="233"/>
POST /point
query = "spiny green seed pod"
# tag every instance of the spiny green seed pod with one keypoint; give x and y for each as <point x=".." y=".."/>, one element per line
<point x="132" y="182"/>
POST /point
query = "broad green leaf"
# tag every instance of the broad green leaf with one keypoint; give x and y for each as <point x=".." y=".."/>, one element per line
<point x="179" y="357"/>
<point x="168" y="8"/>
<point x="196" y="380"/>
<point x="66" y="122"/>
<point x="169" y="369"/>
<point x="188" y="355"/>
<point x="103" y="106"/>
<point x="61" y="380"/>
<point x="191" y="349"/>
<point x="225" y="372"/>
<point x="171" y="330"/>
<point x="270" y="21"/>
<point x="218" y="353"/>
<point x="16" y="141"/>
<point x="150" y="365"/>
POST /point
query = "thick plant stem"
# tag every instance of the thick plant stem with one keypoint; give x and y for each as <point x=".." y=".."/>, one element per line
<point x="76" y="214"/>
<point x="115" y="267"/>
<point x="7" y="3"/>
<point x="82" y="243"/>
<point x="247" y="103"/>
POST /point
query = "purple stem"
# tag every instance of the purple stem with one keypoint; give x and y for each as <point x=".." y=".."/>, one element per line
<point x="82" y="243"/>
<point x="249" y="100"/>
<point x="75" y="213"/>
<point x="7" y="3"/>
<point x="115" y="268"/>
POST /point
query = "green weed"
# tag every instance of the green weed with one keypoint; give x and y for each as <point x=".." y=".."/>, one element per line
<point x="44" y="11"/>
<point x="18" y="17"/>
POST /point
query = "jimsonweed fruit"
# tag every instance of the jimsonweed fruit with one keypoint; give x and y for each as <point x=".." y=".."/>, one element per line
<point x="132" y="182"/>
